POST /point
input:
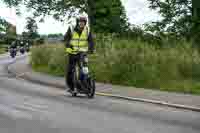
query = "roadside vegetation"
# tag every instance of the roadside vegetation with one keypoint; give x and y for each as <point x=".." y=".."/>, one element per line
<point x="131" y="63"/>
<point x="3" y="48"/>
<point x="2" y="51"/>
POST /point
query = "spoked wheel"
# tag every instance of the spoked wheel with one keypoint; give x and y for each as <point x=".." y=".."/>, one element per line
<point x="91" y="88"/>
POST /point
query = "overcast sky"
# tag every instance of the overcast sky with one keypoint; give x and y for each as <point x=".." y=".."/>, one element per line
<point x="137" y="12"/>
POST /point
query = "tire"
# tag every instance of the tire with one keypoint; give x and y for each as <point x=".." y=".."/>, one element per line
<point x="22" y="51"/>
<point x="74" y="94"/>
<point x="92" y="88"/>
<point x="12" y="55"/>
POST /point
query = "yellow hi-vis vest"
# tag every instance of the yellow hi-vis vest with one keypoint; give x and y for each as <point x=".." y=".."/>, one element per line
<point x="78" y="43"/>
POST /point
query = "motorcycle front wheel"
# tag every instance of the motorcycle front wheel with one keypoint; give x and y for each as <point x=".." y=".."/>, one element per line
<point x="91" y="87"/>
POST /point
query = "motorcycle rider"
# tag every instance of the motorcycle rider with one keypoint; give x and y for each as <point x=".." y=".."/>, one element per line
<point x="22" y="46"/>
<point x="13" y="47"/>
<point x="27" y="46"/>
<point x="78" y="40"/>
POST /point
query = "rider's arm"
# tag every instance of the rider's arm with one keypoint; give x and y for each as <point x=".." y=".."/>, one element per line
<point x="91" y="42"/>
<point x="68" y="37"/>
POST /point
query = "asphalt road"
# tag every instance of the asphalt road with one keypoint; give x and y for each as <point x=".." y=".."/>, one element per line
<point x="30" y="108"/>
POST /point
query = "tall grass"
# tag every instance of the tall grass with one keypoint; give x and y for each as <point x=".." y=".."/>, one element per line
<point x="49" y="58"/>
<point x="132" y="63"/>
<point x="2" y="48"/>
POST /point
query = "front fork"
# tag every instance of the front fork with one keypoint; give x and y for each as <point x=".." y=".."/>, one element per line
<point x="81" y="73"/>
<point x="84" y="67"/>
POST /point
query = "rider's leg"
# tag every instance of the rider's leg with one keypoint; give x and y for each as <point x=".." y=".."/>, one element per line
<point x="70" y="67"/>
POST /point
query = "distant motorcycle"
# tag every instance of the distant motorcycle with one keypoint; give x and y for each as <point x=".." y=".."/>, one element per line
<point x="13" y="52"/>
<point x="27" y="48"/>
<point x="22" y="50"/>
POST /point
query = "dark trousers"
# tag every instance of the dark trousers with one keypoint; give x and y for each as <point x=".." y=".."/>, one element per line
<point x="72" y="61"/>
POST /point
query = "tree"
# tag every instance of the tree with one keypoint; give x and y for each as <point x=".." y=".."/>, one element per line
<point x="176" y="14"/>
<point x="3" y="25"/>
<point x="57" y="8"/>
<point x="8" y="30"/>
<point x="55" y="35"/>
<point x="109" y="14"/>
<point x="31" y="28"/>
<point x="196" y="17"/>
<point x="25" y="35"/>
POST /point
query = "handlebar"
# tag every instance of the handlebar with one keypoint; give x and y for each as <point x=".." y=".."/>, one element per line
<point x="88" y="52"/>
